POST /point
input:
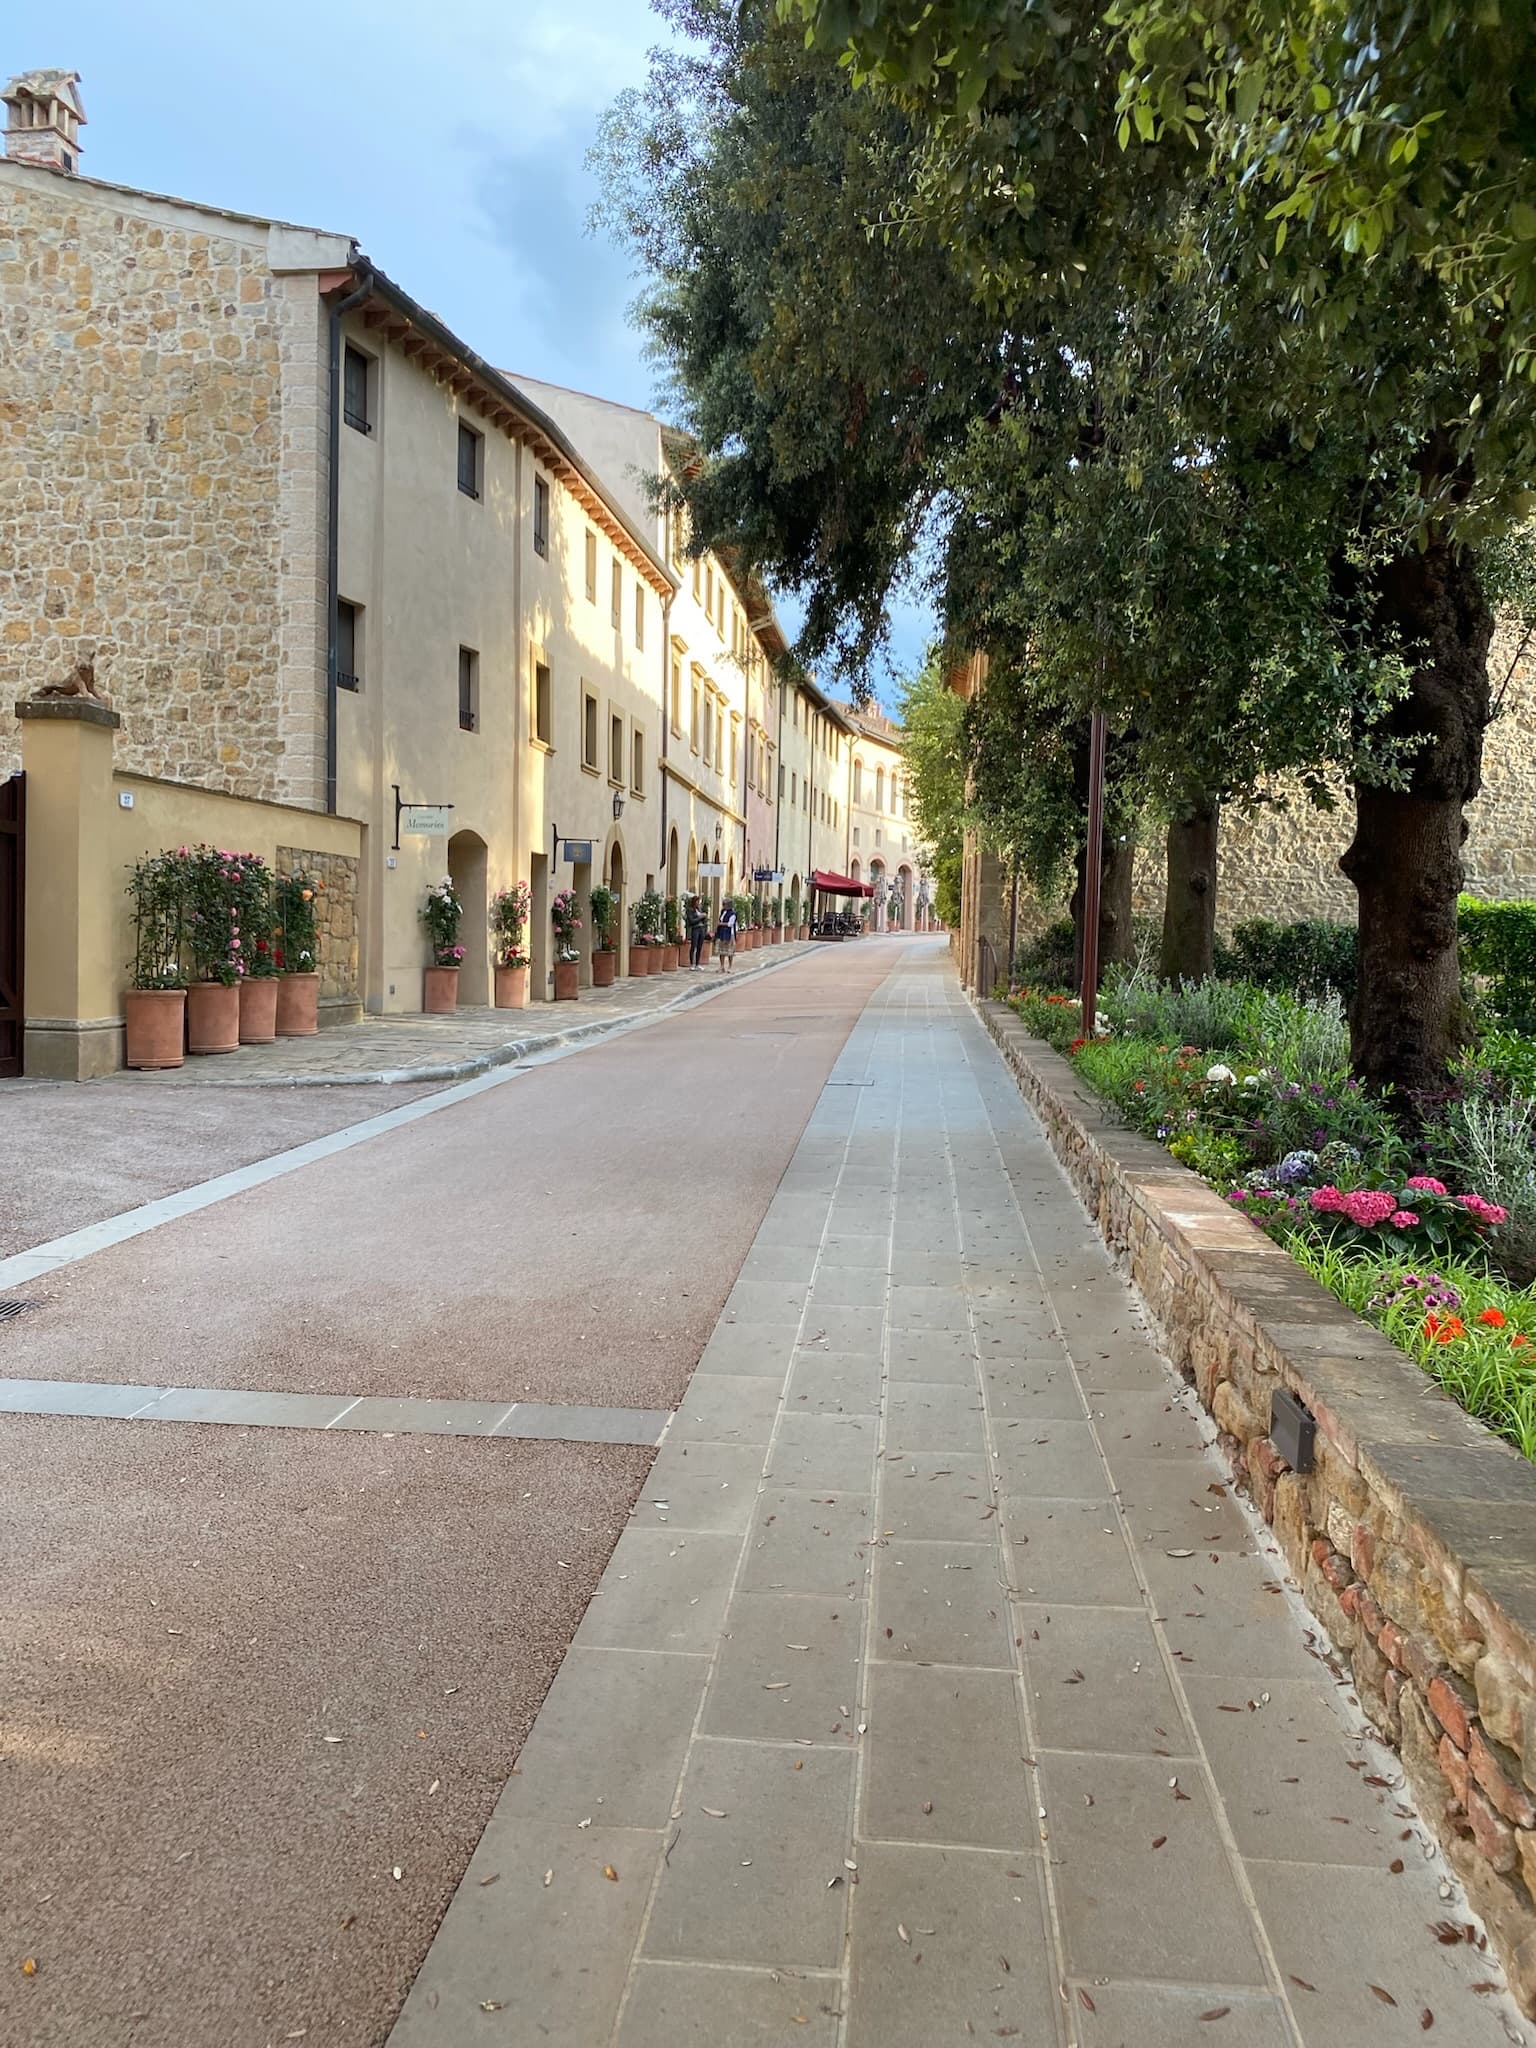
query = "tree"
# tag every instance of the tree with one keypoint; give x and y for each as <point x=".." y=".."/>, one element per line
<point x="932" y="719"/>
<point x="1399" y="328"/>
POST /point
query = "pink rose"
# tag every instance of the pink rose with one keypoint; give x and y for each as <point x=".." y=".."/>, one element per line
<point x="1426" y="1186"/>
<point x="1402" y="1219"/>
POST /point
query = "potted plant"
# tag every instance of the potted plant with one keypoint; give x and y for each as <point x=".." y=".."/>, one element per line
<point x="258" y="980"/>
<point x="155" y="1003"/>
<point x="562" y="915"/>
<point x="298" y="956"/>
<point x="775" y="929"/>
<point x="650" y="921"/>
<point x="442" y="914"/>
<point x="605" y="961"/>
<point x="672" y="932"/>
<point x="508" y="920"/>
<point x="213" y="876"/>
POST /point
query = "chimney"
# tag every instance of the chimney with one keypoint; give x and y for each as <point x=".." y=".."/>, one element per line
<point x="44" y="117"/>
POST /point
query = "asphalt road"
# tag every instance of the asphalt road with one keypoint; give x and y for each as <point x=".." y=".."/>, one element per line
<point x="188" y="1611"/>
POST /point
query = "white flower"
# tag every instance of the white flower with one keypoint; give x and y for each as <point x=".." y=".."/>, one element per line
<point x="1221" y="1074"/>
<point x="1253" y="1080"/>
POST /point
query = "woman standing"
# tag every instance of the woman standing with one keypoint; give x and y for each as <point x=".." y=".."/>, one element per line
<point x="725" y="937"/>
<point x="698" y="932"/>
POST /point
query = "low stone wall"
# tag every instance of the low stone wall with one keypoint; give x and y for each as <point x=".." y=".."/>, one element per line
<point x="1414" y="1536"/>
<point x="336" y="928"/>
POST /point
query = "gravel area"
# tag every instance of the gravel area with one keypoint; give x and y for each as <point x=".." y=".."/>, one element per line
<point x="185" y="1615"/>
<point x="568" y="1236"/>
<point x="72" y="1154"/>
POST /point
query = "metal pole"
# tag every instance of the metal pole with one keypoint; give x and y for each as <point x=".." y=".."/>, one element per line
<point x="1093" y="874"/>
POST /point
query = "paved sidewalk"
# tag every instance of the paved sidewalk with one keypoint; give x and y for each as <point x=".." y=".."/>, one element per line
<point x="939" y="1690"/>
<point x="419" y="1048"/>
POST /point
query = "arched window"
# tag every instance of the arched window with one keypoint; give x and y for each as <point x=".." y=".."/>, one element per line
<point x="879" y="789"/>
<point x="858" y="782"/>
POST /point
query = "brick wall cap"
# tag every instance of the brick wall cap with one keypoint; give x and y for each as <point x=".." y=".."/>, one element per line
<point x="83" y="710"/>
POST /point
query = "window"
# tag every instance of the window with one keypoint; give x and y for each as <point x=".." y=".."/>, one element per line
<point x="709" y="728"/>
<point x="698" y="575"/>
<point x="879" y="837"/>
<point x="543" y="730"/>
<point x="639" y="614"/>
<point x="637" y="762"/>
<point x="356" y="378"/>
<point x="540" y="517"/>
<point x="735" y="739"/>
<point x="695" y="728"/>
<point x="781" y="782"/>
<point x="855" y="835"/>
<point x="879" y="789"/>
<point x="471" y="445"/>
<point x="709" y="591"/>
<point x="616" y="601"/>
<point x="615" y="747"/>
<point x="677" y="693"/>
<point x="349" y="644"/>
<point x="591" y="567"/>
<point x="469" y="690"/>
<point x="589" y="731"/>
<point x="858" y="782"/>
<point x="794" y="787"/>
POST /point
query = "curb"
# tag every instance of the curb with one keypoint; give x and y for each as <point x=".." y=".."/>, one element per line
<point x="512" y="1050"/>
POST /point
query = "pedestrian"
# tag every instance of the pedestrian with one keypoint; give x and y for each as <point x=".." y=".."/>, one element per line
<point x="698" y="932"/>
<point x="725" y="937"/>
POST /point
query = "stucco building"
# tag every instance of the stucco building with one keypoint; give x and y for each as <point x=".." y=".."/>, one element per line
<point x="883" y="847"/>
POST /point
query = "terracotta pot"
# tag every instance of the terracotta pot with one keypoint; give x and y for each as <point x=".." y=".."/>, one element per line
<point x="639" y="960"/>
<point x="605" y="965"/>
<point x="440" y="991"/>
<point x="213" y="1017"/>
<point x="805" y="931"/>
<point x="512" y="988"/>
<point x="156" y="1026"/>
<point x="669" y="958"/>
<point x="298" y="1006"/>
<point x="258" y="1010"/>
<point x="567" y="980"/>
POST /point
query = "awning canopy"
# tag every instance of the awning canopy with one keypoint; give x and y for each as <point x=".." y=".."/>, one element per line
<point x="838" y="885"/>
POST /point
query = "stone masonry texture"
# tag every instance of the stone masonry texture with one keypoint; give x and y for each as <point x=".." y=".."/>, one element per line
<point x="155" y="507"/>
<point x="336" y="920"/>
<point x="1412" y="1539"/>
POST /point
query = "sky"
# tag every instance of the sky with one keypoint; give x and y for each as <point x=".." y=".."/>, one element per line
<point x="449" y="139"/>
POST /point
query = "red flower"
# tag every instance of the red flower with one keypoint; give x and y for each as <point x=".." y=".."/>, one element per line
<point x="1495" y="1318"/>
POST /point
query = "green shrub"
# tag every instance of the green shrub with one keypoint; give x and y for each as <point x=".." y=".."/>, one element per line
<point x="1049" y="961"/>
<point x="1498" y="943"/>
<point x="1308" y="957"/>
<point x="1055" y="1018"/>
<point x="1303" y="1040"/>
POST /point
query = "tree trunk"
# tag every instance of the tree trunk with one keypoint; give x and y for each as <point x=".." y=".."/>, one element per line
<point x="1407" y="1019"/>
<point x="1189" y="907"/>
<point x="1117" y="936"/>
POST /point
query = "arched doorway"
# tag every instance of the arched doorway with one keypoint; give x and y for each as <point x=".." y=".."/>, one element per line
<point x="467" y="872"/>
<point x="620" y="925"/>
<point x="905" y="884"/>
<point x="877" y="903"/>
<point x="672" y="870"/>
<point x="854" y="872"/>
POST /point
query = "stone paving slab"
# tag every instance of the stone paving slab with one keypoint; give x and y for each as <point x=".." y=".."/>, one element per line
<point x="418" y="1048"/>
<point x="965" y="1701"/>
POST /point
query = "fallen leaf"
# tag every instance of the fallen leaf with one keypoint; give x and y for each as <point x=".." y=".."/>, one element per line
<point x="927" y="1806"/>
<point x="1085" y="2001"/>
<point x="1302" y="1982"/>
<point x="29" y="1966"/>
<point x="610" y="1873"/>
<point x="902" y="1934"/>
<point x="490" y="2005"/>
<point x="1426" y="2020"/>
<point x="1217" y="2012"/>
<point x="777" y="1685"/>
<point x="1385" y="1996"/>
<point x="1396" y="1866"/>
<point x="714" y="1812"/>
<point x="492" y="1879"/>
<point x="1158" y="1841"/>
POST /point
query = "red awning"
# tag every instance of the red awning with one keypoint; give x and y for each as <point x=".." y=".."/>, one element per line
<point x="838" y="885"/>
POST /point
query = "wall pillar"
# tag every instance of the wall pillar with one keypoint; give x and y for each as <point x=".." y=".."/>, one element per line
<point x="73" y="982"/>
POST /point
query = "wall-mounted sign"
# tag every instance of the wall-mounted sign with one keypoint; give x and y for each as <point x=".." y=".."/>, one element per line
<point x="429" y="819"/>
<point x="767" y="874"/>
<point x="711" y="870"/>
<point x="577" y="851"/>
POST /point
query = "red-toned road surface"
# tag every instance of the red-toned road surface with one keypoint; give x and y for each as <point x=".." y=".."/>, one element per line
<point x="189" y="1611"/>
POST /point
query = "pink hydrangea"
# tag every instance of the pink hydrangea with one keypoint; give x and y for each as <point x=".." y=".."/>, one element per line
<point x="1328" y="1200"/>
<point x="1403" y="1219"/>
<point x="1369" y="1207"/>
<point x="1425" y="1186"/>
<point x="1485" y="1212"/>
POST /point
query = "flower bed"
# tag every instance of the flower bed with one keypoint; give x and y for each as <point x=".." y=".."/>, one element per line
<point x="1249" y="1088"/>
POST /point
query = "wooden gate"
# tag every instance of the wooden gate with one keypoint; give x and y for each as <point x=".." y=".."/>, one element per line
<point x="13" y="839"/>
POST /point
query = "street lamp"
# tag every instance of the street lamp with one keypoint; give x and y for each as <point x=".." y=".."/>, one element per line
<point x="618" y="806"/>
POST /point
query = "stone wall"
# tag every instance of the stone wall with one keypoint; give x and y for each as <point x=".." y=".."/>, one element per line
<point x="1413" y="1538"/>
<point x="142" y="477"/>
<point x="336" y="926"/>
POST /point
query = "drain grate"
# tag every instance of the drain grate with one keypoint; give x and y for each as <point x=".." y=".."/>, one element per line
<point x="10" y="1310"/>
